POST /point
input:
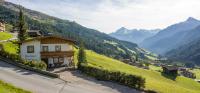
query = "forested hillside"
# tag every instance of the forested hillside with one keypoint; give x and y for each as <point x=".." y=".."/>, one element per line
<point x="93" y="39"/>
<point x="186" y="53"/>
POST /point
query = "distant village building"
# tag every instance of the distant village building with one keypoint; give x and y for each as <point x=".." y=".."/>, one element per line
<point x="170" y="70"/>
<point x="54" y="51"/>
<point x="188" y="74"/>
<point x="2" y="26"/>
<point x="34" y="33"/>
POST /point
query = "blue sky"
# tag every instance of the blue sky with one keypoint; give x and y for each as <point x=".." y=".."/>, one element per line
<point x="109" y="15"/>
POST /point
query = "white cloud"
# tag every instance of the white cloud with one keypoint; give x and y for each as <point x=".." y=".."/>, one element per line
<point x="109" y="15"/>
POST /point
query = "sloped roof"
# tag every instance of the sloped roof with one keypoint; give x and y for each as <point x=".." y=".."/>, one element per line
<point x="171" y="67"/>
<point x="50" y="37"/>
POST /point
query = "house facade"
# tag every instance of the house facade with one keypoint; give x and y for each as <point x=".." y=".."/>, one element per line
<point x="54" y="51"/>
<point x="2" y="26"/>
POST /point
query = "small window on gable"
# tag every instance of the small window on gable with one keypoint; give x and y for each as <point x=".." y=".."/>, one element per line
<point x="45" y="48"/>
<point x="57" y="48"/>
<point x="30" y="49"/>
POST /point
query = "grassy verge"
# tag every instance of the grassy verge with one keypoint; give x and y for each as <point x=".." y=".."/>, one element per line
<point x="5" y="36"/>
<point x="8" y="88"/>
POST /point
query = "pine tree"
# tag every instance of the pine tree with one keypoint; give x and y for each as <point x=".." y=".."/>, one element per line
<point x="136" y="57"/>
<point x="81" y="55"/>
<point x="22" y="27"/>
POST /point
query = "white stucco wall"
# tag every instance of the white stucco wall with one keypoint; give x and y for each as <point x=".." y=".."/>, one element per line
<point x="30" y="56"/>
<point x="64" y="47"/>
<point x="38" y="48"/>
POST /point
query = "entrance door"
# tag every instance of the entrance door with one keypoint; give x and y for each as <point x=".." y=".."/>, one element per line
<point x="46" y="61"/>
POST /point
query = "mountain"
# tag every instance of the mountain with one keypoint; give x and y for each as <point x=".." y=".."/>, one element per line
<point x="172" y="37"/>
<point x="189" y="52"/>
<point x="93" y="39"/>
<point x="134" y="35"/>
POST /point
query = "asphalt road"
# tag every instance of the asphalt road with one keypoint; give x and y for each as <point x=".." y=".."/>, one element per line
<point x="42" y="84"/>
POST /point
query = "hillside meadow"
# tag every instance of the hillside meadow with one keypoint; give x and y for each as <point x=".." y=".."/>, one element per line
<point x="5" y="36"/>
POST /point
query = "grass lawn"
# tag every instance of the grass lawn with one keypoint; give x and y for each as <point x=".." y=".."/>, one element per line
<point x="5" y="36"/>
<point x="8" y="88"/>
<point x="155" y="68"/>
<point x="154" y="79"/>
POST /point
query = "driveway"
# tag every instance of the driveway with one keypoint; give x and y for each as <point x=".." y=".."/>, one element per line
<point x="75" y="82"/>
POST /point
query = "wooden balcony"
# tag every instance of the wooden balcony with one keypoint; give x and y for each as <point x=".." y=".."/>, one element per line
<point x="57" y="54"/>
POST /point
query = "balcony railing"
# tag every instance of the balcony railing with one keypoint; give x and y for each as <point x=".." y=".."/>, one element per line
<point x="57" y="53"/>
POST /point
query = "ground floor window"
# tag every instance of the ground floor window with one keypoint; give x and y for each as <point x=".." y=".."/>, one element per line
<point x="58" y="60"/>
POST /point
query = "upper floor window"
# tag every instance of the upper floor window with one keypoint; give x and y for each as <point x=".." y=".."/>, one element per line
<point x="45" y="48"/>
<point x="57" y="48"/>
<point x="30" y="49"/>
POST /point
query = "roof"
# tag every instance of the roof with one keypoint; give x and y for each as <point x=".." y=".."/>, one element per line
<point x="171" y="67"/>
<point x="50" y="37"/>
<point x="34" y="32"/>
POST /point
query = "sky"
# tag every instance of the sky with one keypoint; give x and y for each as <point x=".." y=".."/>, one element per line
<point x="109" y="15"/>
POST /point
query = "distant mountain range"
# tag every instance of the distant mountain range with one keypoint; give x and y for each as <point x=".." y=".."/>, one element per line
<point x="173" y="36"/>
<point x="179" y="41"/>
<point x="133" y="35"/>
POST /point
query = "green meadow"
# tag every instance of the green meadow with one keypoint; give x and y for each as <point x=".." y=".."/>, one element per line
<point x="5" y="36"/>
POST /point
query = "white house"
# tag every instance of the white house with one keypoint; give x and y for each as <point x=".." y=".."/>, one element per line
<point x="2" y="26"/>
<point x="54" y="51"/>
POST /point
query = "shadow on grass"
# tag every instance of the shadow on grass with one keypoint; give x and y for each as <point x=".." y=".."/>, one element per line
<point x="169" y="76"/>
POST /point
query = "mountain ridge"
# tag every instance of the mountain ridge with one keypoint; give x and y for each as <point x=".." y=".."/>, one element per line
<point x="133" y="35"/>
<point x="170" y="37"/>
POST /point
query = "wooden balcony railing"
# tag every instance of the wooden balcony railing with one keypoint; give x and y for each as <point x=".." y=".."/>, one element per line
<point x="57" y="54"/>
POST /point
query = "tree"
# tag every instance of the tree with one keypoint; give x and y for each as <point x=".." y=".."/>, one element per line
<point x="22" y="27"/>
<point x="136" y="57"/>
<point x="81" y="55"/>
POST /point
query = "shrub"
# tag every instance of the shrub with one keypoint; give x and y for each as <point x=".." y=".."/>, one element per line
<point x="115" y="76"/>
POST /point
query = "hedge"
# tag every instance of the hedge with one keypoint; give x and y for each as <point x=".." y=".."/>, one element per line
<point x="130" y="80"/>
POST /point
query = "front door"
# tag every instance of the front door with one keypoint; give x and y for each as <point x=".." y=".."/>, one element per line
<point x="46" y="61"/>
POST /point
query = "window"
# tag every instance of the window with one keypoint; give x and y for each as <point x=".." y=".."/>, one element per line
<point x="57" y="48"/>
<point x="58" y="60"/>
<point x="55" y="60"/>
<point x="45" y="48"/>
<point x="30" y="49"/>
<point x="61" y="60"/>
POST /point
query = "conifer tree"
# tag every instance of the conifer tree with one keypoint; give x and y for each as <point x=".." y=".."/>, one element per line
<point x="81" y="55"/>
<point x="22" y="27"/>
<point x="136" y="57"/>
